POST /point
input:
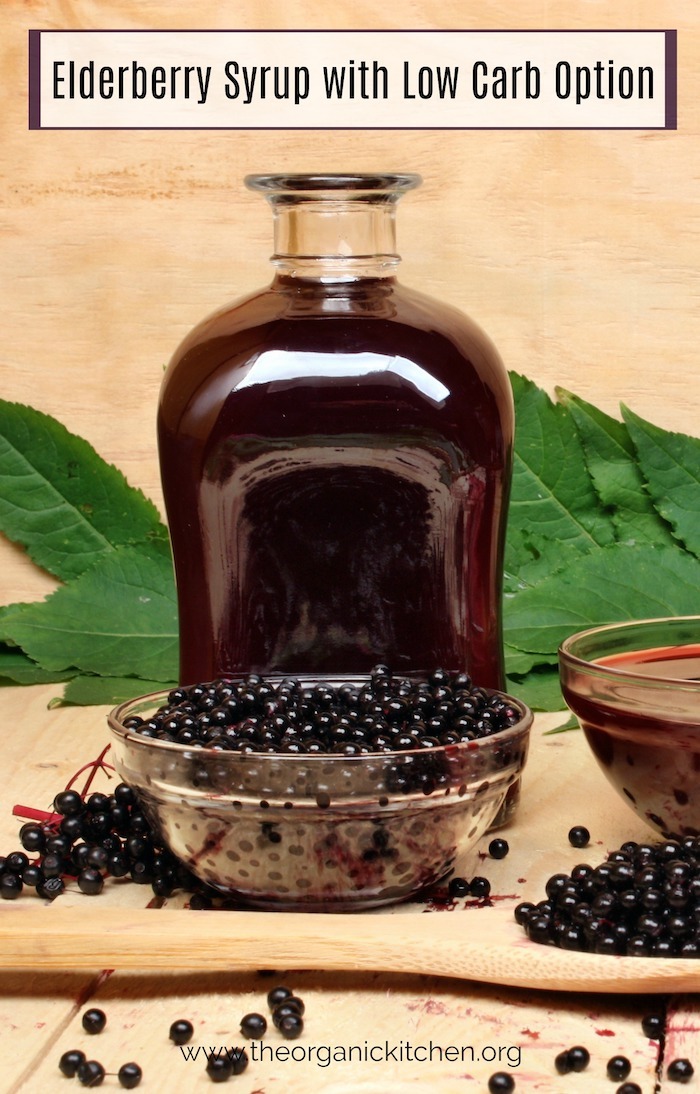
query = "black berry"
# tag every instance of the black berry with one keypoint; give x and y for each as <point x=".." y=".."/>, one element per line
<point x="68" y="803"/>
<point x="253" y="1025"/>
<point x="278" y="995"/>
<point x="629" y="1088"/>
<point x="94" y="1020"/>
<point x="561" y="1063"/>
<point x="10" y="886"/>
<point x="458" y="887"/>
<point x="239" y="1060"/>
<point x="181" y="1031"/>
<point x="91" y="1073"/>
<point x="219" y="1068"/>
<point x="618" y="1068"/>
<point x="579" y="1058"/>
<point x="501" y="1083"/>
<point x="70" y="1062"/>
<point x="291" y="1026"/>
<point x="579" y="836"/>
<point x="653" y="1026"/>
<point x="498" y="848"/>
<point x="480" y="887"/>
<point x="90" y="881"/>
<point x="680" y="1071"/>
<point x="129" y="1076"/>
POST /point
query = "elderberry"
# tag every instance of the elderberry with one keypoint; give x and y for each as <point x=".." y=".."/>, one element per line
<point x="579" y="1058"/>
<point x="129" y="1075"/>
<point x="219" y="1067"/>
<point x="94" y="1020"/>
<point x="480" y="887"/>
<point x="253" y="1025"/>
<point x="91" y="1073"/>
<point x="579" y="836"/>
<point x="618" y="1068"/>
<point x="501" y="1083"/>
<point x="653" y="1026"/>
<point x="680" y="1071"/>
<point x="70" y="1062"/>
<point x="291" y="1026"/>
<point x="181" y="1031"/>
<point x="636" y="903"/>
<point x="389" y="713"/>
<point x="239" y="1060"/>
<point x="457" y="888"/>
<point x="277" y="995"/>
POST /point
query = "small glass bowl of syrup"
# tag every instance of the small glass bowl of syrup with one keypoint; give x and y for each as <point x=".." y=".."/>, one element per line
<point x="635" y="688"/>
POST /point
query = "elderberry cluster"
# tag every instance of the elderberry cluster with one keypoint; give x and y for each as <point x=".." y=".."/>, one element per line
<point x="88" y="840"/>
<point x="643" y="901"/>
<point x="386" y="714"/>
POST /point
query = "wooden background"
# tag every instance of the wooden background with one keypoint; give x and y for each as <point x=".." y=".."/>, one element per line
<point x="577" y="251"/>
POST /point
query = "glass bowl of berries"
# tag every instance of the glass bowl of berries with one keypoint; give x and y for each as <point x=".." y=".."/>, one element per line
<point x="323" y="793"/>
<point x="635" y="688"/>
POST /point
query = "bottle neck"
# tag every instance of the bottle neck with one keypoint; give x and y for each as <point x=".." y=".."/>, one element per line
<point x="334" y="227"/>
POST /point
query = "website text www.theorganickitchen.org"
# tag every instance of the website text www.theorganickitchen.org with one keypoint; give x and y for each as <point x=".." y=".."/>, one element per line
<point x="367" y="1052"/>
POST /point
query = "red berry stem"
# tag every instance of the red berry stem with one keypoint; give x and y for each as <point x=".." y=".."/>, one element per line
<point x="94" y="766"/>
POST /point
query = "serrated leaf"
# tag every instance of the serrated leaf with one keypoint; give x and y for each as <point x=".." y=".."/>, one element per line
<point x="117" y="619"/>
<point x="552" y="494"/>
<point x="87" y="691"/>
<point x="62" y="501"/>
<point x="540" y="558"/>
<point x="540" y="689"/>
<point x="618" y="480"/>
<point x="17" y="668"/>
<point x="609" y="585"/>
<point x="671" y="465"/>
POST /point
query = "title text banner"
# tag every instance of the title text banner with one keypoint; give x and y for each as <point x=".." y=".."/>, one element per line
<point x="597" y="79"/>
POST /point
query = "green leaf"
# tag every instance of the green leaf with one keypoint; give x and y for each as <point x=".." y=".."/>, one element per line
<point x="518" y="662"/>
<point x="540" y="689"/>
<point x="565" y="727"/>
<point x="618" y="480"/>
<point x="552" y="494"/>
<point x="17" y="668"/>
<point x="86" y="691"/>
<point x="117" y="619"/>
<point x="607" y="586"/>
<point x="671" y="465"/>
<point x="62" y="501"/>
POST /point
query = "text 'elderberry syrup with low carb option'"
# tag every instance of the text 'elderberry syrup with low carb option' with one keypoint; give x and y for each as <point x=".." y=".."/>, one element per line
<point x="335" y="455"/>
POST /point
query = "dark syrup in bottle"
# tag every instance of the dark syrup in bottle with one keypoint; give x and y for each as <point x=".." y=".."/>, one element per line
<point x="335" y="455"/>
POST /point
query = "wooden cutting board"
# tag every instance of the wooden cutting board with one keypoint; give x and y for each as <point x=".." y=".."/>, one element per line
<point x="485" y="945"/>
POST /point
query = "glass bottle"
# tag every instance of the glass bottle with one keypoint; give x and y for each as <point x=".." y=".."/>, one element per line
<point x="335" y="455"/>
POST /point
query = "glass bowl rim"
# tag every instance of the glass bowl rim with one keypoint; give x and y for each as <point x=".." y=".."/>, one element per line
<point x="522" y="726"/>
<point x="570" y="660"/>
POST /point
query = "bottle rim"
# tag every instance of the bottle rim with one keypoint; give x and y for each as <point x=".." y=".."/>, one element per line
<point x="364" y="182"/>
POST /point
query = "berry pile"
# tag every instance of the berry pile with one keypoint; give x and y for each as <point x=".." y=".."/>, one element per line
<point x="87" y="840"/>
<point x="643" y="901"/>
<point x="387" y="714"/>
